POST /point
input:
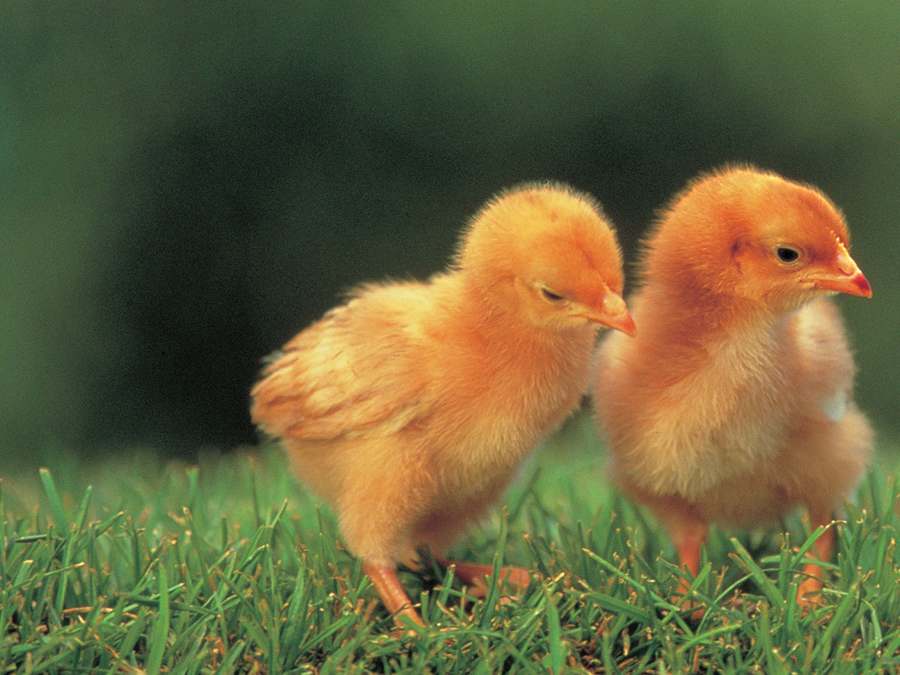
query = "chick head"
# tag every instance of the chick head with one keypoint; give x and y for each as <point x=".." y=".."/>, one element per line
<point x="761" y="238"/>
<point x="547" y="254"/>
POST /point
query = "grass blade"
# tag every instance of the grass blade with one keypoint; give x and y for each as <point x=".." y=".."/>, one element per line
<point x="554" y="635"/>
<point x="161" y="625"/>
<point x="59" y="513"/>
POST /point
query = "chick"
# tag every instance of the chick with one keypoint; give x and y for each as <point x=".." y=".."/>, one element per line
<point x="410" y="408"/>
<point x="733" y="403"/>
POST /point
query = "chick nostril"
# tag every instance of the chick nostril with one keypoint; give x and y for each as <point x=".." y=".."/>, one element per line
<point x="845" y="263"/>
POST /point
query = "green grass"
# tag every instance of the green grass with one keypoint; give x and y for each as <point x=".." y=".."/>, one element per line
<point x="227" y="566"/>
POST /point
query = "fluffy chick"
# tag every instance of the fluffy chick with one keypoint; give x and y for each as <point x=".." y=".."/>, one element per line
<point x="733" y="403"/>
<point x="410" y="407"/>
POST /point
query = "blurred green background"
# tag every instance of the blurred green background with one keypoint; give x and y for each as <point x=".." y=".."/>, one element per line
<point x="185" y="185"/>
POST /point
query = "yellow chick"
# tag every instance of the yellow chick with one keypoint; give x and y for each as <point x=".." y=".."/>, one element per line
<point x="733" y="403"/>
<point x="410" y="408"/>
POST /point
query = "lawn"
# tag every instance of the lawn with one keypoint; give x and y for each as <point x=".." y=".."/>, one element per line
<point x="132" y="565"/>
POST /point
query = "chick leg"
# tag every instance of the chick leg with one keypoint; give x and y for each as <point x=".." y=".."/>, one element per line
<point x="688" y="543"/>
<point x="375" y="510"/>
<point x="439" y="531"/>
<point x="811" y="587"/>
<point x="397" y="602"/>
<point x="688" y="530"/>
<point x="476" y="575"/>
<point x="686" y="527"/>
<point x="689" y="537"/>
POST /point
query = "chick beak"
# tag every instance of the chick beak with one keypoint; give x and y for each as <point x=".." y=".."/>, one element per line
<point x="847" y="279"/>
<point x="613" y="315"/>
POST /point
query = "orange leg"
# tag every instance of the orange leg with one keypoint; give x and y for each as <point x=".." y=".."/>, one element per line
<point x="476" y="575"/>
<point x="689" y="537"/>
<point x="811" y="588"/>
<point x="385" y="580"/>
<point x="686" y="527"/>
<point x="688" y="542"/>
<point x="688" y="545"/>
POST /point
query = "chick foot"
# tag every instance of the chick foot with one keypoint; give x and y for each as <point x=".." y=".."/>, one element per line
<point x="477" y="576"/>
<point x="395" y="599"/>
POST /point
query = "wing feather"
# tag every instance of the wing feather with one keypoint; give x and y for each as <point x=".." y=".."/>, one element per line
<point x="353" y="373"/>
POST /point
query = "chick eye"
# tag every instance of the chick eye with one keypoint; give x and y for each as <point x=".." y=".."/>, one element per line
<point x="550" y="296"/>
<point x="786" y="254"/>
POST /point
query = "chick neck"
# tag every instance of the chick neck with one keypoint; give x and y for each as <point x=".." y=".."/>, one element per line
<point x="692" y="316"/>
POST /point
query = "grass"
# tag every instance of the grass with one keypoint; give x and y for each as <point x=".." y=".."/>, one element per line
<point x="227" y="566"/>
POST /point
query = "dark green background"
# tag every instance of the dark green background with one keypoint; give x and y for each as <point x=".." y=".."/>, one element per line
<point x="185" y="185"/>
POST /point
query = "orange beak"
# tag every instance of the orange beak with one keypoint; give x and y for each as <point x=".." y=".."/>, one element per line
<point x="848" y="279"/>
<point x="614" y="315"/>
